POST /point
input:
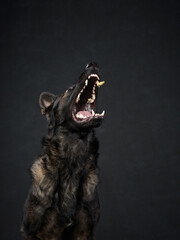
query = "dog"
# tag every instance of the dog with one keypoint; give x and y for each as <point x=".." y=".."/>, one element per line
<point x="63" y="203"/>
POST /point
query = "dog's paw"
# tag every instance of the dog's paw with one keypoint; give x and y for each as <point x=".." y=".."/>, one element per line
<point x="81" y="238"/>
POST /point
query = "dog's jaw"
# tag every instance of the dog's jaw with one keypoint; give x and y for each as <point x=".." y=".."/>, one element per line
<point x="84" y="108"/>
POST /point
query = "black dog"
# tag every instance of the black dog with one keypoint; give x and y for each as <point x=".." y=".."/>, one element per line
<point x="63" y="201"/>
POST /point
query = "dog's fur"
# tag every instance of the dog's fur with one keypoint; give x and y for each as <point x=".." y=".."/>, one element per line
<point x="63" y="201"/>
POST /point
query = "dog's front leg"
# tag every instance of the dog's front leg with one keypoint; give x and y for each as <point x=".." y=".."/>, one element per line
<point x="68" y="198"/>
<point x="88" y="212"/>
<point x="39" y="200"/>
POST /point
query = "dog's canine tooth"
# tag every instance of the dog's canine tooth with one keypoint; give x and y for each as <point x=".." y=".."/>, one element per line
<point x="99" y="83"/>
<point x="93" y="113"/>
<point x="103" y="112"/>
<point x="86" y="82"/>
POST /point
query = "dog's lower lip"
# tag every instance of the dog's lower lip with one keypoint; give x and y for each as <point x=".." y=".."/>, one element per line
<point x="85" y="116"/>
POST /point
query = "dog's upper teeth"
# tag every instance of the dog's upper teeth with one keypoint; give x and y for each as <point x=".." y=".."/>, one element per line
<point x="93" y="75"/>
<point x="93" y="113"/>
<point x="78" y="97"/>
<point x="90" y="100"/>
<point x="83" y="89"/>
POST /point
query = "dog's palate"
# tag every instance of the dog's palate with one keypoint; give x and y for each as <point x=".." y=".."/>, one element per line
<point x="88" y="90"/>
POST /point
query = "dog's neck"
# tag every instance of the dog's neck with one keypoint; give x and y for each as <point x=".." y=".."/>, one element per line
<point x="63" y="144"/>
<point x="64" y="131"/>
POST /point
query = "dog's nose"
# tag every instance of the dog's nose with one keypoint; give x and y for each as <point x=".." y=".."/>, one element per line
<point x="92" y="64"/>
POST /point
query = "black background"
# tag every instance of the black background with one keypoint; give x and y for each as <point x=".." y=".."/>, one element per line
<point x="45" y="45"/>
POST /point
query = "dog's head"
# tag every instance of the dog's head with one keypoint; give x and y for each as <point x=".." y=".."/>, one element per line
<point x="76" y="107"/>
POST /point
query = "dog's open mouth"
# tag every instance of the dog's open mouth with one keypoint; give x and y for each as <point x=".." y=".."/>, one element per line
<point x="85" y="103"/>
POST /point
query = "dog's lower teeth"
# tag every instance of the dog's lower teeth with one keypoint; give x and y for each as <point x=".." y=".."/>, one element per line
<point x="100" y="115"/>
<point x="80" y="116"/>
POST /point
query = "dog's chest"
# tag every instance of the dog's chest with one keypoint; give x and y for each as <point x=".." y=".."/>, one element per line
<point x="75" y="150"/>
<point x="72" y="171"/>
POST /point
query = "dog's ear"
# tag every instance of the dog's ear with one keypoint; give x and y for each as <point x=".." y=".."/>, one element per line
<point x="45" y="101"/>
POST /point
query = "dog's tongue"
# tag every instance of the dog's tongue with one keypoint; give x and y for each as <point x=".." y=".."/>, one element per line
<point x="83" y="114"/>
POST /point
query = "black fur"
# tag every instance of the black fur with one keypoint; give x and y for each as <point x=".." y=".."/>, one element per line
<point x="63" y="201"/>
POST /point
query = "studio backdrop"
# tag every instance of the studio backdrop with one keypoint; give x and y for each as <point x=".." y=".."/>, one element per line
<point x="45" y="45"/>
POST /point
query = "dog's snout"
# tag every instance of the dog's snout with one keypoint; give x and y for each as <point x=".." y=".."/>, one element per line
<point x="92" y="65"/>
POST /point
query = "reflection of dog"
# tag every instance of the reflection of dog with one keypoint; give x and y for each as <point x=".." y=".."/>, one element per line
<point x="63" y="201"/>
